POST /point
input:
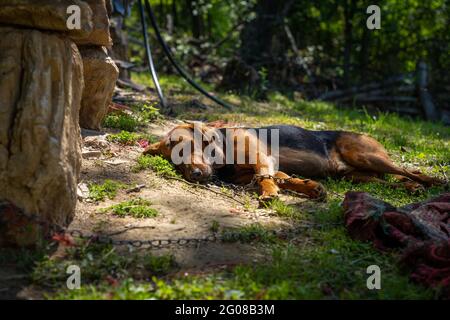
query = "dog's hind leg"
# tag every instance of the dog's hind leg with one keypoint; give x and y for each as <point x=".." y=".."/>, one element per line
<point x="309" y="187"/>
<point x="359" y="176"/>
<point x="367" y="155"/>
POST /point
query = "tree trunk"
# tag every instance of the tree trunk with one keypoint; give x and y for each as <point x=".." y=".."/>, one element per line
<point x="263" y="47"/>
<point x="196" y="20"/>
<point x="349" y="11"/>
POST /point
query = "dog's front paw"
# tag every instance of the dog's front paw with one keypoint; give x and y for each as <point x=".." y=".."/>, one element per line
<point x="317" y="192"/>
<point x="267" y="197"/>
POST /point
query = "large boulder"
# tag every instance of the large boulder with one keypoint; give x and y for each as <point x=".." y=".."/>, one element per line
<point x="46" y="15"/>
<point x="100" y="34"/>
<point x="100" y="76"/>
<point x="41" y="87"/>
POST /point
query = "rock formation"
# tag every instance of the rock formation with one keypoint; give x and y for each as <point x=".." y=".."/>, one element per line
<point x="100" y="75"/>
<point x="42" y="87"/>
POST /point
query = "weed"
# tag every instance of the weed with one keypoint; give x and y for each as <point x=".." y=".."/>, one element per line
<point x="148" y="112"/>
<point x="124" y="137"/>
<point x="249" y="233"/>
<point x="136" y="208"/>
<point x="159" y="265"/>
<point x="215" y="226"/>
<point x="122" y="121"/>
<point x="158" y="164"/>
<point x="108" y="189"/>
<point x="283" y="210"/>
<point x="99" y="262"/>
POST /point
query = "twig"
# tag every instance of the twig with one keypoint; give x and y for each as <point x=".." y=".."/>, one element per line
<point x="128" y="229"/>
<point x="136" y="189"/>
<point x="206" y="188"/>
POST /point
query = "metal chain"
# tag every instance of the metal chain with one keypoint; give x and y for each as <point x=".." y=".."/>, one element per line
<point x="259" y="177"/>
<point x="60" y="233"/>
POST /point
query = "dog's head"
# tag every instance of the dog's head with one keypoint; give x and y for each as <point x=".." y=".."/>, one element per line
<point x="184" y="146"/>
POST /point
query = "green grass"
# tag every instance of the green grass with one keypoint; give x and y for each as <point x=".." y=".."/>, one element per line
<point x="158" y="164"/>
<point x="107" y="189"/>
<point x="249" y="233"/>
<point x="333" y="268"/>
<point x="130" y="138"/>
<point x="124" y="137"/>
<point x="283" y="210"/>
<point x="136" y="208"/>
<point x="122" y="121"/>
<point x="99" y="263"/>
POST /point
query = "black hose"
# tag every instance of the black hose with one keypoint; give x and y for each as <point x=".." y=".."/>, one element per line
<point x="175" y="64"/>
<point x="149" y="56"/>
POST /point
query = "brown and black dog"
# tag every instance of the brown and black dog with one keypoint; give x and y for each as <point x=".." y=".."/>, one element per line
<point x="310" y="154"/>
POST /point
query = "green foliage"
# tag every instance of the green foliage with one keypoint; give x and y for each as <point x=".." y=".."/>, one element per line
<point x="158" y="265"/>
<point x="136" y="208"/>
<point x="215" y="226"/>
<point x="158" y="164"/>
<point x="333" y="268"/>
<point x="249" y="233"/>
<point x="148" y="112"/>
<point x="108" y="189"/>
<point x="122" y="121"/>
<point x="283" y="210"/>
<point x="124" y="137"/>
<point x="99" y="262"/>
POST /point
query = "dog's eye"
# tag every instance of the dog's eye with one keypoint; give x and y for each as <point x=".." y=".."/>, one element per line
<point x="168" y="143"/>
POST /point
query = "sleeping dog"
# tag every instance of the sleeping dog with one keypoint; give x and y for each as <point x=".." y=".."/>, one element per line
<point x="306" y="153"/>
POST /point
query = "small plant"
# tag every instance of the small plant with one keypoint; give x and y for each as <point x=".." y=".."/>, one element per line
<point x="121" y="121"/>
<point x="160" y="165"/>
<point x="124" y="137"/>
<point x="215" y="226"/>
<point x="96" y="260"/>
<point x="249" y="233"/>
<point x="99" y="262"/>
<point x="136" y="208"/>
<point x="108" y="189"/>
<point x="158" y="265"/>
<point x="263" y="74"/>
<point x="148" y="112"/>
<point x="281" y="209"/>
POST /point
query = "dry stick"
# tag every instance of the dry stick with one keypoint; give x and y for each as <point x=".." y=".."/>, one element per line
<point x="206" y="188"/>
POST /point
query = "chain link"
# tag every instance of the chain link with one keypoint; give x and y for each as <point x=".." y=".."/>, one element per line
<point x="259" y="177"/>
<point x="105" y="239"/>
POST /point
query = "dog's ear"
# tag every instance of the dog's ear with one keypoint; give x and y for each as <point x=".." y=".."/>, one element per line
<point x="153" y="149"/>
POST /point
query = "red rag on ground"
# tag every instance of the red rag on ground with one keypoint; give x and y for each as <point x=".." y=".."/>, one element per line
<point x="421" y="230"/>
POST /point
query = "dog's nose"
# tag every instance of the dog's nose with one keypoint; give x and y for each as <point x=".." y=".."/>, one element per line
<point x="196" y="173"/>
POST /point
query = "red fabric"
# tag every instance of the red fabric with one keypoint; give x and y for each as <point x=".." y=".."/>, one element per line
<point x="421" y="230"/>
